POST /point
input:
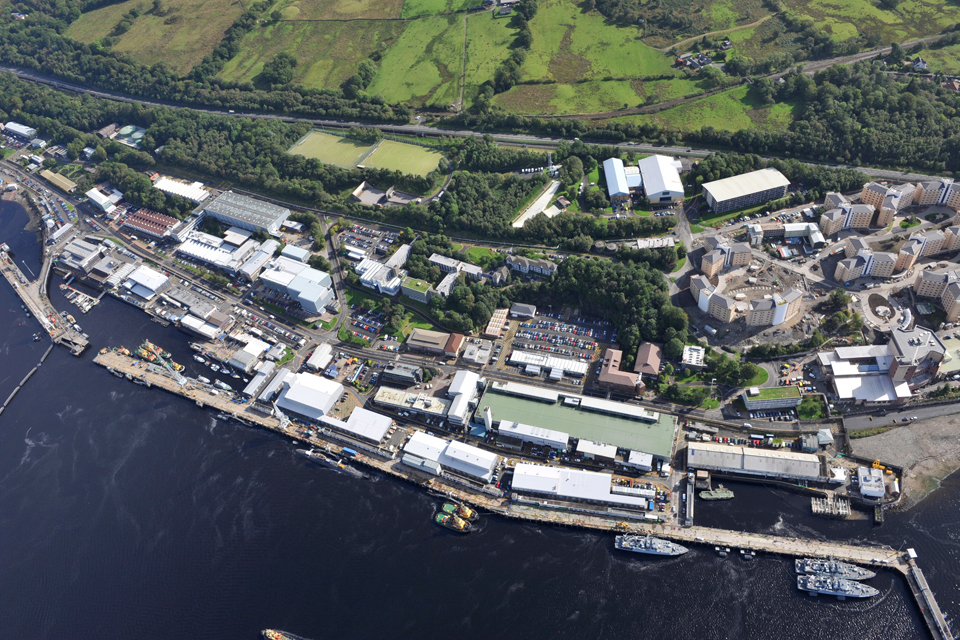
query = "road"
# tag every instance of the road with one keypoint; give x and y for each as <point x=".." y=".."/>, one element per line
<point x="890" y="415"/>
<point x="423" y="130"/>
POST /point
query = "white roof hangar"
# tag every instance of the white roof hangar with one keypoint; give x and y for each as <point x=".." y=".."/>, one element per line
<point x="743" y="185"/>
<point x="146" y="282"/>
<point x="661" y="179"/>
<point x="596" y="450"/>
<point x="309" y="396"/>
<point x="763" y="462"/>
<point x="615" y="177"/>
<point x="535" y="435"/>
<point x="574" y="368"/>
<point x="320" y="357"/>
<point x="363" y="424"/>
<point x="194" y="192"/>
<point x="573" y="484"/>
<point x="460" y="457"/>
<point x="423" y="445"/>
<point x="246" y="213"/>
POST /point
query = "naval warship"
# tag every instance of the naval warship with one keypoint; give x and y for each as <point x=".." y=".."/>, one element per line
<point x="652" y="546"/>
<point x="833" y="568"/>
<point x="839" y="587"/>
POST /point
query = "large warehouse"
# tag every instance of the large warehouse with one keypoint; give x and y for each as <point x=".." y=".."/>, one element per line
<point x="737" y="192"/>
<point x="773" y="463"/>
<point x="309" y="396"/>
<point x="247" y="213"/>
<point x="450" y="454"/>
<point x="661" y="180"/>
<point x="574" y="484"/>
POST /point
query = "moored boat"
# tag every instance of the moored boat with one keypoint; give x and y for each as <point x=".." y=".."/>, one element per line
<point x="833" y="568"/>
<point x="460" y="510"/>
<point x="839" y="587"/>
<point x="453" y="523"/>
<point x="649" y="545"/>
<point x="203" y="380"/>
<point x="720" y="493"/>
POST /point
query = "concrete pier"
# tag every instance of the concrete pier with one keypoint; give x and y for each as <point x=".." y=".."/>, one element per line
<point x="386" y="462"/>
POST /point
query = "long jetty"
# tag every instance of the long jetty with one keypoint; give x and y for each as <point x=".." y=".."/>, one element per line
<point x="34" y="296"/>
<point x="882" y="557"/>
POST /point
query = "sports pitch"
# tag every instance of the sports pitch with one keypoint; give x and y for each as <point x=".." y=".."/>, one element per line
<point x="330" y="149"/>
<point x="408" y="158"/>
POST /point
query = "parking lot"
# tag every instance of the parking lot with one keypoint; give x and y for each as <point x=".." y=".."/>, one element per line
<point x="367" y="240"/>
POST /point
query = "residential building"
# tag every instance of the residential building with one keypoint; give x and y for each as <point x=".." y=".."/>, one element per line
<point x="952" y="197"/>
<point x="247" y="213"/>
<point x="617" y="188"/>
<point x="834" y="200"/>
<point x="693" y="357"/>
<point x="950" y="238"/>
<point x="722" y="308"/>
<point x="745" y="190"/>
<point x="873" y="194"/>
<point x="853" y="246"/>
<point x="917" y="352"/>
<point x="849" y="269"/>
<point x="649" y="356"/>
<point x="932" y="284"/>
<point x="951" y="301"/>
<point x="719" y="255"/>
<point x="776" y="309"/>
<point x="929" y="193"/>
<point x="909" y="254"/>
<point x="527" y="265"/>
<point x="500" y="276"/>
<point x="883" y="264"/>
<point x="932" y="242"/>
<point x="699" y="285"/>
<point x="712" y="263"/>
<point x="831" y="221"/>
<point x="611" y="375"/>
<point x="661" y="180"/>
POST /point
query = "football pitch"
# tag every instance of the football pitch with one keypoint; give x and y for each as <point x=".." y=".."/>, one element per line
<point x="408" y="158"/>
<point x="330" y="149"/>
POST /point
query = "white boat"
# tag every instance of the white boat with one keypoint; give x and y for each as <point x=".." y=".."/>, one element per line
<point x="203" y="380"/>
<point x="215" y="367"/>
<point x="222" y="385"/>
<point x="199" y="359"/>
<point x="236" y="376"/>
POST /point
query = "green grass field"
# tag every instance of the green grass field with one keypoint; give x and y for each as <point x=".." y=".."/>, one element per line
<point x="488" y="44"/>
<point x="704" y="16"/>
<point x="414" y="8"/>
<point x="423" y="65"/>
<point x="911" y="19"/>
<point x="945" y="60"/>
<point x="408" y="158"/>
<point x="191" y="30"/>
<point x="331" y="149"/>
<point x="337" y="10"/>
<point x="329" y="52"/>
<point x="728" y="111"/>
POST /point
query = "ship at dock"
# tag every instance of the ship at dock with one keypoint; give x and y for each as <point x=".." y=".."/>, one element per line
<point x="834" y="568"/>
<point x="649" y="545"/>
<point x="336" y="465"/>
<point x="273" y="634"/>
<point x="461" y="511"/>
<point x="453" y="523"/>
<point x="720" y="493"/>
<point x="829" y="585"/>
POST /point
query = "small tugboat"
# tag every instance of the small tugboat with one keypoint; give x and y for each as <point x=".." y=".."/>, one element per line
<point x="453" y="523"/>
<point x="720" y="493"/>
<point x="461" y="511"/>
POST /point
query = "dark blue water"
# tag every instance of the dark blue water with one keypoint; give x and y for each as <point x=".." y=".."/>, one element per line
<point x="130" y="513"/>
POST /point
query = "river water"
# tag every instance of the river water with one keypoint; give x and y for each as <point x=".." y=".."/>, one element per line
<point x="130" y="513"/>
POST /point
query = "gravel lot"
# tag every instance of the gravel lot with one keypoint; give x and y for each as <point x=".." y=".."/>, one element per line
<point x="929" y="451"/>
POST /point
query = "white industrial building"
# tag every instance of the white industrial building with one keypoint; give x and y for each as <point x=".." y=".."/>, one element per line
<point x="452" y="455"/>
<point x="309" y="396"/>
<point x="382" y="278"/>
<point x="194" y="192"/>
<point x="246" y="357"/>
<point x="21" y="131"/>
<point x="773" y="463"/>
<point x="639" y="460"/>
<point x="261" y="378"/>
<point x="308" y="286"/>
<point x="535" y="435"/>
<point x="107" y="202"/>
<point x="575" y="368"/>
<point x="747" y="189"/>
<point x="871" y="482"/>
<point x="661" y="180"/>
<point x="295" y="253"/>
<point x="617" y="187"/>
<point x="228" y="253"/>
<point x="258" y="259"/>
<point x="596" y="450"/>
<point x="564" y="483"/>
<point x="320" y="359"/>
<point x="201" y="327"/>
<point x="146" y="283"/>
<point x="363" y="424"/>
<point x="462" y="392"/>
<point x="246" y="213"/>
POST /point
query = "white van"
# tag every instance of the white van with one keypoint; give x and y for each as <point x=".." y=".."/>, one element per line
<point x="747" y="425"/>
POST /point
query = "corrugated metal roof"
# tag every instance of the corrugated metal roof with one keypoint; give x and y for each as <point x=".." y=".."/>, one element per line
<point x="659" y="175"/>
<point x="615" y="177"/>
<point x="745" y="184"/>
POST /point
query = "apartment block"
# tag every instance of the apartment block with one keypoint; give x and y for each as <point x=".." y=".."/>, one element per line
<point x="951" y="301"/>
<point x="853" y="246"/>
<point x="930" y="193"/>
<point x="932" y="284"/>
<point x="761" y="312"/>
<point x="909" y="253"/>
<point x="932" y="242"/>
<point x="831" y="222"/>
<point x="712" y="263"/>
<point x="883" y="264"/>
<point x="722" y="308"/>
<point x="873" y="194"/>
<point x="950" y="238"/>
<point x="849" y="269"/>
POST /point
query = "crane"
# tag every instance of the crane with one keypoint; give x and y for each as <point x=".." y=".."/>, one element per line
<point x="181" y="379"/>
